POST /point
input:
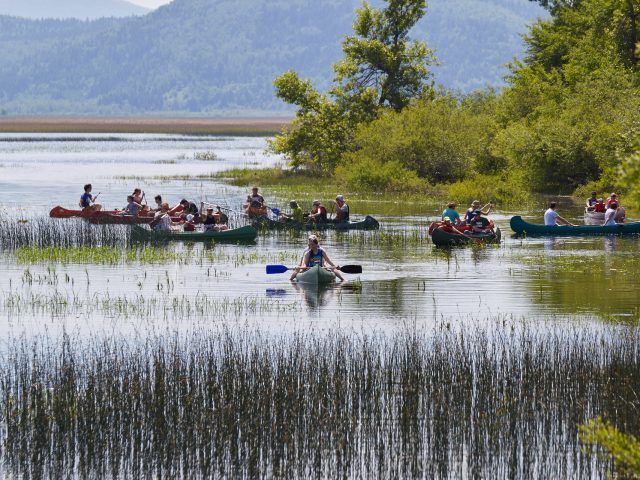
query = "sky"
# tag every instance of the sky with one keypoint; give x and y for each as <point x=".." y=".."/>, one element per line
<point x="150" y="3"/>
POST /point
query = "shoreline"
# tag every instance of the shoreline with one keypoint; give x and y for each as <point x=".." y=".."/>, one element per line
<point x="197" y="125"/>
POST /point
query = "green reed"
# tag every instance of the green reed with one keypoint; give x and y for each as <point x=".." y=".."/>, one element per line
<point x="499" y="402"/>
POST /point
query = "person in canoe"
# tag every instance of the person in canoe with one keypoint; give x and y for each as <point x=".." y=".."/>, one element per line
<point x="188" y="225"/>
<point x="592" y="201"/>
<point x="451" y="213"/>
<point x="611" y="214"/>
<point x="551" y="217"/>
<point x="318" y="213"/>
<point x="600" y="207"/>
<point x="479" y="224"/>
<point x="296" y="214"/>
<point x="215" y="221"/>
<point x="620" y="212"/>
<point x="315" y="255"/>
<point x="342" y="210"/>
<point x="446" y="225"/>
<point x="158" y="200"/>
<point x="138" y="195"/>
<point x="88" y="201"/>
<point x="189" y="208"/>
<point x="255" y="206"/>
<point x="475" y="206"/>
<point x="133" y="207"/>
<point x="162" y="219"/>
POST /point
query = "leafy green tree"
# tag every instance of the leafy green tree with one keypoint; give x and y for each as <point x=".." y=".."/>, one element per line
<point x="624" y="449"/>
<point x="381" y="69"/>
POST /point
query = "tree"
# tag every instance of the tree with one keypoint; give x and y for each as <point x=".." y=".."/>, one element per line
<point x="381" y="69"/>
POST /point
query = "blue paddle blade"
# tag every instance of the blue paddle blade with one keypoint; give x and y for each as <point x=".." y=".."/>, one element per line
<point x="277" y="268"/>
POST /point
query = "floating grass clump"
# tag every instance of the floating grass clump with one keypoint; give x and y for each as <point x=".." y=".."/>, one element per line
<point x="502" y="403"/>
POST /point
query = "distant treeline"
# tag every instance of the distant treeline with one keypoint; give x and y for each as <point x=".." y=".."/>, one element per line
<point x="221" y="57"/>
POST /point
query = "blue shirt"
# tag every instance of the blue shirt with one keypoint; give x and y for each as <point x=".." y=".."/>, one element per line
<point x="453" y="215"/>
<point x="316" y="259"/>
<point x="85" y="200"/>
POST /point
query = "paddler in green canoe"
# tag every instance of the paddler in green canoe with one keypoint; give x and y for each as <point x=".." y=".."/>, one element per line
<point x="315" y="255"/>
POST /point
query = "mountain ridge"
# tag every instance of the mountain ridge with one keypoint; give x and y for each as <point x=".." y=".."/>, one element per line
<point x="195" y="56"/>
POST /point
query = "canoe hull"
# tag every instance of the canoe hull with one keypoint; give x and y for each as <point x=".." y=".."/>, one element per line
<point x="102" y="216"/>
<point x="316" y="276"/>
<point x="242" y="234"/>
<point x="369" y="223"/>
<point x="519" y="226"/>
<point x="443" y="239"/>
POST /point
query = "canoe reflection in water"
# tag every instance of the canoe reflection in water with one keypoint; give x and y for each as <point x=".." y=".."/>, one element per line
<point x="315" y="295"/>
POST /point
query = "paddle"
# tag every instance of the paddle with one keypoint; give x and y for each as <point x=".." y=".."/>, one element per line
<point x="283" y="268"/>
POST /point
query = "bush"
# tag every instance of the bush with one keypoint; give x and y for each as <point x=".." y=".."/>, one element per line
<point x="507" y="190"/>
<point x="369" y="175"/>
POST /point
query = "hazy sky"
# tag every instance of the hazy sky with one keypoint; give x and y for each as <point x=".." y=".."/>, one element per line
<point x="150" y="3"/>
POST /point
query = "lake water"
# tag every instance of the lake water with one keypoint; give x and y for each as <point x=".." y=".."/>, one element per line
<point x="403" y="282"/>
<point x="527" y="339"/>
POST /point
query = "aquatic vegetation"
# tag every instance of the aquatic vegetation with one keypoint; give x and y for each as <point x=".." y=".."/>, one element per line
<point x="209" y="155"/>
<point x="242" y="403"/>
<point x="45" y="231"/>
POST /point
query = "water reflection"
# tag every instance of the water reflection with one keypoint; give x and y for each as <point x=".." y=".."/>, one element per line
<point x="315" y="296"/>
<point x="610" y="243"/>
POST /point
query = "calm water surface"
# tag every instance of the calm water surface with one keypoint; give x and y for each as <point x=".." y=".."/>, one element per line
<point x="403" y="282"/>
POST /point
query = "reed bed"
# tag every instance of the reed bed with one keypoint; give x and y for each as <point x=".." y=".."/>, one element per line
<point x="151" y="308"/>
<point x="504" y="402"/>
<point x="53" y="232"/>
<point x="147" y="255"/>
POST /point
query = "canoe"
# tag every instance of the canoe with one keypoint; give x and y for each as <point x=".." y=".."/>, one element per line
<point x="593" y="218"/>
<point x="61" y="212"/>
<point x="316" y="276"/>
<point x="369" y="223"/>
<point x="519" y="226"/>
<point x="103" y="216"/>
<point x="246" y="233"/>
<point x="443" y="239"/>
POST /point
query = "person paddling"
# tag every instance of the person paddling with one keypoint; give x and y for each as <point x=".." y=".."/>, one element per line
<point x="342" y="210"/>
<point x="552" y="218"/>
<point x="133" y="207"/>
<point x="611" y="214"/>
<point x="315" y="255"/>
<point x="592" y="201"/>
<point x="88" y="202"/>
<point x="475" y="206"/>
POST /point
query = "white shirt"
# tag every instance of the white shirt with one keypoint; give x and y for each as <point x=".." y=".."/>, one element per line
<point x="610" y="216"/>
<point x="550" y="217"/>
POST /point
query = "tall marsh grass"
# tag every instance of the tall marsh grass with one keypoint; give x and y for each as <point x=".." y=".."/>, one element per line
<point x="504" y="402"/>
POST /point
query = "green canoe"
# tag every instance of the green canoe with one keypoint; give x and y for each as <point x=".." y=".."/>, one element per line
<point x="369" y="223"/>
<point x="245" y="233"/>
<point x="316" y="276"/>
<point x="519" y="226"/>
<point x="443" y="239"/>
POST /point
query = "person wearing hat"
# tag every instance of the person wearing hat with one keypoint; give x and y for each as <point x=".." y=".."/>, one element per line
<point x="215" y="221"/>
<point x="447" y="226"/>
<point x="479" y="224"/>
<point x="318" y="213"/>
<point x="475" y="205"/>
<point x="315" y="255"/>
<point x="551" y="217"/>
<point x="296" y="214"/>
<point x="342" y="210"/>
<point x="591" y="201"/>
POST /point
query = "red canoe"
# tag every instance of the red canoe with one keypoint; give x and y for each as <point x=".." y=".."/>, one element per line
<point x="103" y="216"/>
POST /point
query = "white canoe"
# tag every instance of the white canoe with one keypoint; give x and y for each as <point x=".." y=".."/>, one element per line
<point x="593" y="218"/>
<point x="316" y="276"/>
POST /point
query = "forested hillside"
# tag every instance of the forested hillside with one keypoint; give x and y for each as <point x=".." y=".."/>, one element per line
<point x="221" y="57"/>
<point x="82" y="9"/>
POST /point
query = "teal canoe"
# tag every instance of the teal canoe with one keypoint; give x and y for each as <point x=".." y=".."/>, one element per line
<point x="443" y="239"/>
<point x="519" y="226"/>
<point x="369" y="223"/>
<point x="316" y="276"/>
<point x="242" y="234"/>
